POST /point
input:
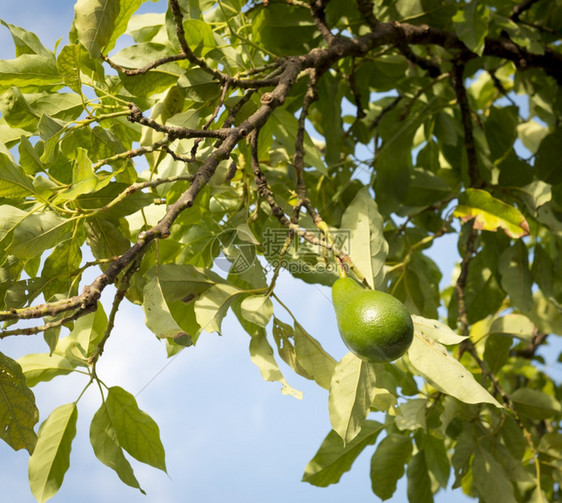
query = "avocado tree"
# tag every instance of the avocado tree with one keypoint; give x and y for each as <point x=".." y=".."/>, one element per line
<point x="237" y="139"/>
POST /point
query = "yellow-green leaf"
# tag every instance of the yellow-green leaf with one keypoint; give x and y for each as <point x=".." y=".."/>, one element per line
<point x="51" y="458"/>
<point x="490" y="213"/>
<point x="135" y="430"/>
<point x="432" y="361"/>
<point x="257" y="309"/>
<point x="351" y="394"/>
<point x="39" y="367"/>
<point x="108" y="449"/>
<point x="261" y="355"/>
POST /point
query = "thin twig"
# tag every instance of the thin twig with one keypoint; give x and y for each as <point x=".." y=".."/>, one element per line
<point x="265" y="192"/>
<point x="119" y="296"/>
<point x="145" y="69"/>
<point x="135" y="152"/>
<point x="211" y="118"/>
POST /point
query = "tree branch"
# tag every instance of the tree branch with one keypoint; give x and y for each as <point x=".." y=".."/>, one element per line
<point x="298" y="159"/>
<point x="462" y="98"/>
<point x="520" y="8"/>
<point x="290" y="68"/>
<point x="460" y="285"/>
<point x="317" y="8"/>
<point x="366" y="8"/>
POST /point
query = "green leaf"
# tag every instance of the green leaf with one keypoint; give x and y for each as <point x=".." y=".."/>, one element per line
<point x="135" y="430"/>
<point x="50" y="130"/>
<point x="29" y="158"/>
<point x="483" y="294"/>
<point x="51" y="458"/>
<point x="16" y="111"/>
<point x="68" y="65"/>
<point x="471" y="25"/>
<point x="334" y="458"/>
<point x="387" y="464"/>
<point x="367" y="246"/>
<point x="496" y="351"/>
<point x="490" y="213"/>
<point x="108" y="449"/>
<point x="535" y="404"/>
<point x="257" y="309"/>
<point x="61" y="266"/>
<point x="516" y="280"/>
<point x="419" y="483"/>
<point x="432" y="361"/>
<point x="543" y="270"/>
<point x="490" y="478"/>
<point x="26" y="42"/>
<point x="39" y="232"/>
<point x="199" y="36"/>
<point x="126" y="9"/>
<point x="546" y="313"/>
<point x="84" y="180"/>
<point x="261" y="355"/>
<point x="18" y="412"/>
<point x="351" y="393"/>
<point x="30" y="73"/>
<point x="310" y="355"/>
<point x="548" y="163"/>
<point x="41" y="367"/>
<point x="501" y="130"/>
<point x="417" y="285"/>
<point x="283" y="29"/>
<point x="14" y="183"/>
<point x="329" y="122"/>
<point x="425" y="187"/>
<point x="62" y="106"/>
<point x="95" y="22"/>
<point x="105" y="238"/>
<point x="437" y="459"/>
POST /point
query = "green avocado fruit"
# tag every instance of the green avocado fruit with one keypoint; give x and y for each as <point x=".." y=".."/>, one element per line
<point x="374" y="325"/>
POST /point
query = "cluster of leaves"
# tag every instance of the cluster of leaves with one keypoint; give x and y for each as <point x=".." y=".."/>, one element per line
<point x="220" y="100"/>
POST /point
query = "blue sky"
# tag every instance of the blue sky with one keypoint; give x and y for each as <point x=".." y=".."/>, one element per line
<point x="229" y="436"/>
